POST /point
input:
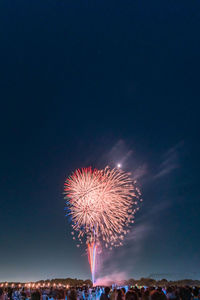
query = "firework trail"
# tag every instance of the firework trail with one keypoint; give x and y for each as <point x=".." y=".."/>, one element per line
<point x="101" y="205"/>
<point x="92" y="248"/>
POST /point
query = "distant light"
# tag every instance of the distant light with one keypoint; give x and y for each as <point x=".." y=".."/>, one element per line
<point x="119" y="165"/>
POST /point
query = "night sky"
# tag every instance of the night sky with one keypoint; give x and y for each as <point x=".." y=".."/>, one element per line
<point x="97" y="82"/>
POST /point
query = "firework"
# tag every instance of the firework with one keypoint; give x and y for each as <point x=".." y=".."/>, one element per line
<point x="102" y="205"/>
<point x="92" y="248"/>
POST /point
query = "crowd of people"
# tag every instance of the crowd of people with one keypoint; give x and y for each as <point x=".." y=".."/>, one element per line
<point x="100" y="293"/>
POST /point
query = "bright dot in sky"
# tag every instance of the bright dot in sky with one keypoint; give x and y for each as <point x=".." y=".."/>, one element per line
<point x="119" y="165"/>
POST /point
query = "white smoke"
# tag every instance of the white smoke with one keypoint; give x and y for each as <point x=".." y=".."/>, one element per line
<point x="114" y="278"/>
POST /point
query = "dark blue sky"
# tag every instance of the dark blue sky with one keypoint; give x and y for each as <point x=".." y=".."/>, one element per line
<point x="95" y="82"/>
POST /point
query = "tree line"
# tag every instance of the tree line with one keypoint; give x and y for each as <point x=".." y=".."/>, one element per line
<point x="131" y="282"/>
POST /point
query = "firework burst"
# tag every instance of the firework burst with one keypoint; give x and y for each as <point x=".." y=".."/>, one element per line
<point x="101" y="204"/>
